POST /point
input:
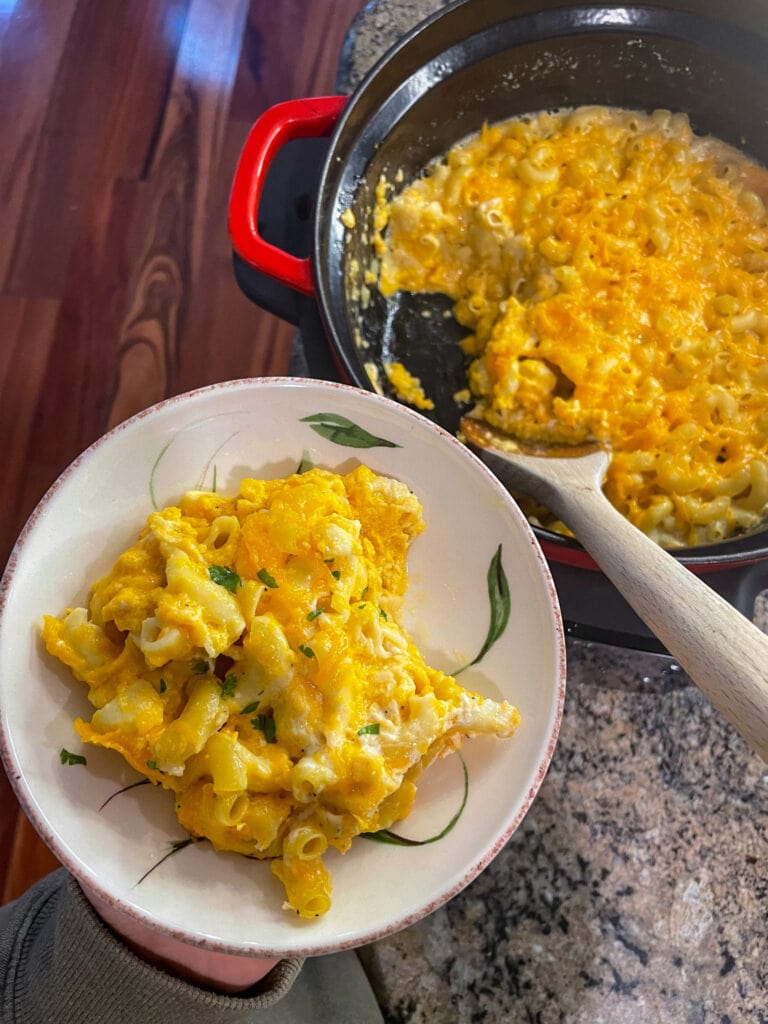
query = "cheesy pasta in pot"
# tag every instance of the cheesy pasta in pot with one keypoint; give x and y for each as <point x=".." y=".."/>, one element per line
<point x="612" y="270"/>
<point x="246" y="653"/>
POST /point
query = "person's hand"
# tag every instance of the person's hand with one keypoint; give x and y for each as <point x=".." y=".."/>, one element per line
<point x="221" y="971"/>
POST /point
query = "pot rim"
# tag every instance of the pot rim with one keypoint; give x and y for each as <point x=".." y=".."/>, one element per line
<point x="740" y="17"/>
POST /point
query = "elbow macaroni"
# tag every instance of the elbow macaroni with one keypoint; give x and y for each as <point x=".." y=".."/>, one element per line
<point x="612" y="270"/>
<point x="245" y="653"/>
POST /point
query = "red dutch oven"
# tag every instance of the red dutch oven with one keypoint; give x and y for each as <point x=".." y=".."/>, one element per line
<point x="478" y="61"/>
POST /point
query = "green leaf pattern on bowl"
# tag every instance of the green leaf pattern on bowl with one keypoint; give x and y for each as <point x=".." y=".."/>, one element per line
<point x="342" y="431"/>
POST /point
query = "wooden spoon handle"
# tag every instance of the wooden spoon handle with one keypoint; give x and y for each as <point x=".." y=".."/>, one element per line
<point x="724" y="653"/>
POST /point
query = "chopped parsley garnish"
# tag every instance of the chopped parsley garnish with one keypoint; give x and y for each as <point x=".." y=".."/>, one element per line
<point x="200" y="667"/>
<point x="383" y="614"/>
<point x="336" y="573"/>
<point x="267" y="578"/>
<point x="68" y="758"/>
<point x="225" y="577"/>
<point x="266" y="724"/>
<point x="365" y="591"/>
<point x="152" y="765"/>
<point x="229" y="684"/>
<point x="250" y="708"/>
<point x="329" y="560"/>
<point x="306" y="651"/>
<point x="314" y="614"/>
<point x="370" y="730"/>
<point x="163" y="686"/>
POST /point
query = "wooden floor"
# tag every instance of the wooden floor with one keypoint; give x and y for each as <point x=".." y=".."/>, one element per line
<point x="120" y="127"/>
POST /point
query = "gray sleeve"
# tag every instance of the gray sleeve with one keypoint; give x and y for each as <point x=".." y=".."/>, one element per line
<point x="60" y="964"/>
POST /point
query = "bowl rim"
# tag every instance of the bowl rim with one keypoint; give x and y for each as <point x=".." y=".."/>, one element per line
<point x="82" y="872"/>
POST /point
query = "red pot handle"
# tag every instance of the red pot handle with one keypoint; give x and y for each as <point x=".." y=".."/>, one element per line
<point x="294" y="119"/>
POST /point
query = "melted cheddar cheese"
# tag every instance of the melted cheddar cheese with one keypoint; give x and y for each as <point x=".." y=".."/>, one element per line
<point x="246" y="654"/>
<point x="611" y="268"/>
<point x="406" y="386"/>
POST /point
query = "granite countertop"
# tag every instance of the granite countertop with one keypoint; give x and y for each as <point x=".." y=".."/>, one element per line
<point x="635" y="889"/>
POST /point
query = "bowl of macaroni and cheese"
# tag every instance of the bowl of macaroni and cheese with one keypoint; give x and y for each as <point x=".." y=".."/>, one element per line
<point x="554" y="216"/>
<point x="281" y="667"/>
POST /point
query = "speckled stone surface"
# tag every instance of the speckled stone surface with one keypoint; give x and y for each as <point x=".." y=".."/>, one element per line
<point x="636" y="889"/>
<point x="380" y="24"/>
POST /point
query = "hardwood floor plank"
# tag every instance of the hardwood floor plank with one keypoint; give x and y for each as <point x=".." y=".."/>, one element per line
<point x="195" y="117"/>
<point x="96" y="78"/>
<point x="32" y="42"/>
<point x="22" y="369"/>
<point x="147" y="338"/>
<point x="149" y="58"/>
<point x="29" y="858"/>
<point x="181" y="218"/>
<point x="9" y="816"/>
<point x="70" y="408"/>
<point x="243" y="342"/>
<point x="22" y="366"/>
<point x="226" y="336"/>
<point x="290" y="49"/>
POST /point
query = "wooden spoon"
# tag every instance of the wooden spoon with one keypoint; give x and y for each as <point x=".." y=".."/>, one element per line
<point x="724" y="653"/>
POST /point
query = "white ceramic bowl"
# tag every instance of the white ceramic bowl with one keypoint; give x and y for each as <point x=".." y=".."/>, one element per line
<point x="256" y="427"/>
